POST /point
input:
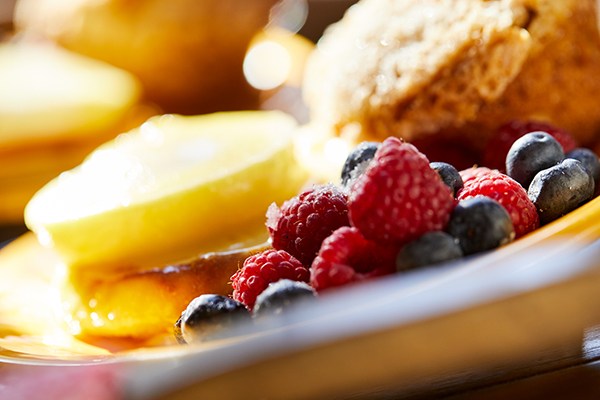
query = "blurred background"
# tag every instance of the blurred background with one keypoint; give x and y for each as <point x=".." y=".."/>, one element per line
<point x="320" y="13"/>
<point x="75" y="73"/>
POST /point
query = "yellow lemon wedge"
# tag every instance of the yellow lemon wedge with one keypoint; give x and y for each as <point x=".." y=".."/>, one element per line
<point x="173" y="188"/>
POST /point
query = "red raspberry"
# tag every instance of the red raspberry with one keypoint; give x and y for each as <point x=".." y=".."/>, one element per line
<point x="346" y="257"/>
<point x="498" y="146"/>
<point x="508" y="192"/>
<point x="303" y="222"/>
<point x="470" y="174"/>
<point x="399" y="197"/>
<point x="261" y="269"/>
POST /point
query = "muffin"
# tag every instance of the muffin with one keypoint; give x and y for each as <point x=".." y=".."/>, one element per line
<point x="458" y="69"/>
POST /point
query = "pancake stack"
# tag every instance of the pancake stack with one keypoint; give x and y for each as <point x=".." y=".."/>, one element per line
<point x="55" y="106"/>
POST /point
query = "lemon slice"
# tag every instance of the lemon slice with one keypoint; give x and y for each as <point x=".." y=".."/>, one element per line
<point x="170" y="189"/>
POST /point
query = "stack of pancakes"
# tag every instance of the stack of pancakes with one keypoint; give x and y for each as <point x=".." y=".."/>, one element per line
<point x="132" y="60"/>
<point x="55" y="106"/>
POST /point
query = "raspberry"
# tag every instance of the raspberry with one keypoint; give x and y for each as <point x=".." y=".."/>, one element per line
<point x="470" y="174"/>
<point x="508" y="192"/>
<point x="399" y="197"/>
<point x="303" y="222"/>
<point x="261" y="269"/>
<point x="346" y="257"/>
<point x="497" y="147"/>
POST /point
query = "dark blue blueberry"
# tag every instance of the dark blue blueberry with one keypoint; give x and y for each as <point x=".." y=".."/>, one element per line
<point x="431" y="248"/>
<point x="208" y="317"/>
<point x="449" y="175"/>
<point x="357" y="161"/>
<point x="480" y="224"/>
<point x="530" y="154"/>
<point x="589" y="159"/>
<point x="558" y="190"/>
<point x="280" y="296"/>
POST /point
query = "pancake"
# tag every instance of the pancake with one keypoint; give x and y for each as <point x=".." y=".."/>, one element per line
<point x="121" y="308"/>
<point x="55" y="107"/>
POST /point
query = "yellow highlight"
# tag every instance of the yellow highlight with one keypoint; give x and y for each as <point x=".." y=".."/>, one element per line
<point x="276" y="57"/>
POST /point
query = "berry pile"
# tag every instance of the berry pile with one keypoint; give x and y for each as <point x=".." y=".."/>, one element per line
<point x="482" y="181"/>
<point x="399" y="196"/>
<point x="394" y="211"/>
<point x="262" y="269"/>
<point x="302" y="223"/>
<point x="498" y="146"/>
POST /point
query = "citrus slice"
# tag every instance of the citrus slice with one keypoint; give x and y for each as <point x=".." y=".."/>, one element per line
<point x="171" y="189"/>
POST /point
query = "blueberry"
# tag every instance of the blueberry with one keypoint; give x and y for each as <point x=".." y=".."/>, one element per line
<point x="560" y="189"/>
<point x="280" y="296"/>
<point x="208" y="317"/>
<point x="357" y="161"/>
<point x="450" y="175"/>
<point x="480" y="223"/>
<point x="431" y="248"/>
<point x="589" y="159"/>
<point x="530" y="154"/>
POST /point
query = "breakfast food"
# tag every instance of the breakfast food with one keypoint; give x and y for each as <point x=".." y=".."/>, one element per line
<point x="346" y="257"/>
<point x="480" y="224"/>
<point x="457" y="69"/>
<point x="530" y="154"/>
<point x="392" y="211"/>
<point x="301" y="223"/>
<point x="449" y="174"/>
<point x="260" y="270"/>
<point x="488" y="210"/>
<point x="188" y="54"/>
<point x="162" y="213"/>
<point x="501" y="140"/>
<point x="430" y="249"/>
<point x="173" y="213"/>
<point x="209" y="316"/>
<point x="589" y="159"/>
<point x="281" y="296"/>
<point x="482" y="181"/>
<point x="55" y="107"/>
<point x="560" y="189"/>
